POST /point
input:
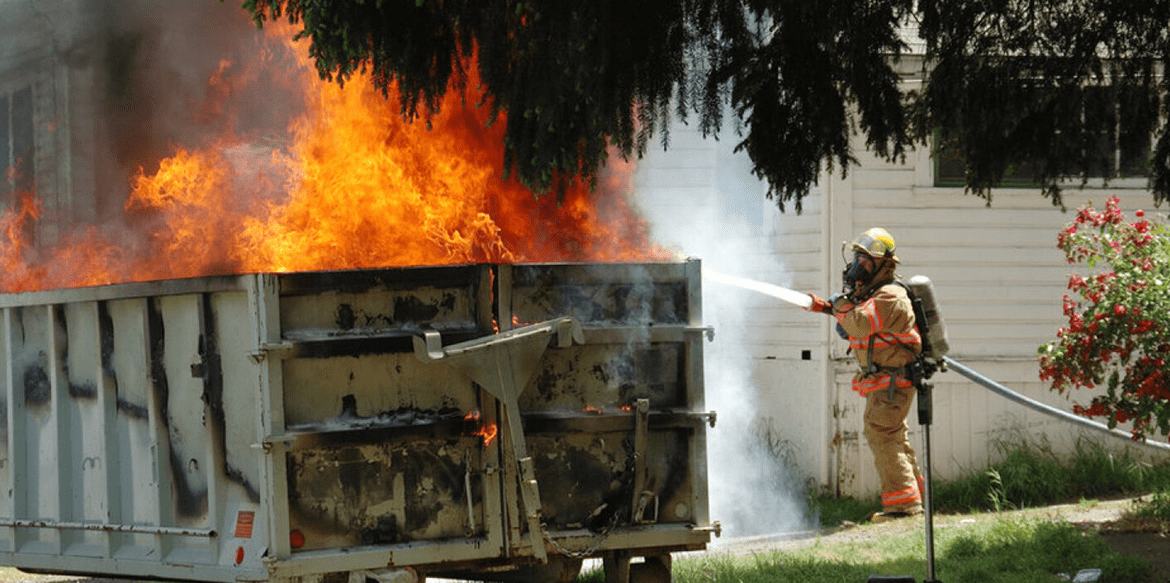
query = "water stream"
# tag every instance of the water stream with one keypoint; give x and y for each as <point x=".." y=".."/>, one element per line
<point x="791" y="296"/>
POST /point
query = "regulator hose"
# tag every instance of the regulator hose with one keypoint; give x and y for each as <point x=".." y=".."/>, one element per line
<point x="1003" y="391"/>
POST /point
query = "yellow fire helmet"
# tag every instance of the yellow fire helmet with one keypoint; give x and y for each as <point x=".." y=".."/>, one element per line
<point x="876" y="242"/>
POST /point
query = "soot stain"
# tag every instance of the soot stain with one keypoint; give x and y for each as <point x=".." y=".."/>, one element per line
<point x="412" y="309"/>
<point x="345" y="317"/>
<point x="37" y="389"/>
<point x="83" y="391"/>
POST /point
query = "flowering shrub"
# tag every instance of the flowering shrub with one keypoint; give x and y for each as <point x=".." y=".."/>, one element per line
<point x="1118" y="333"/>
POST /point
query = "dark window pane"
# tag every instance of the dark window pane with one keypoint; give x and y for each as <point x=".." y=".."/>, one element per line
<point x="23" y="141"/>
<point x="950" y="170"/>
<point x="1109" y="116"/>
<point x="1100" y="118"/>
<point x="5" y="153"/>
<point x="1134" y="138"/>
<point x="1135" y="159"/>
<point x="948" y="167"/>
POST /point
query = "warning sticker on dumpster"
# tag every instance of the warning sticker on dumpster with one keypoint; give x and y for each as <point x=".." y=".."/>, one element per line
<point x="244" y="520"/>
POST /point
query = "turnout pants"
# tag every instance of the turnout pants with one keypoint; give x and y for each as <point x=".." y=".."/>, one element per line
<point x="887" y="434"/>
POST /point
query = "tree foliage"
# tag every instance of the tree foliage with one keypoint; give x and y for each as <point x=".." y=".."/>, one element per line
<point x="1063" y="85"/>
<point x="1005" y="81"/>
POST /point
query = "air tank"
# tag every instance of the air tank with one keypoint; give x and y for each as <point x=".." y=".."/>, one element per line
<point x="923" y="290"/>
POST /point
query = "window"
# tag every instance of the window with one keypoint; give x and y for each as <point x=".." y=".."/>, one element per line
<point x="1105" y="118"/>
<point x="17" y="144"/>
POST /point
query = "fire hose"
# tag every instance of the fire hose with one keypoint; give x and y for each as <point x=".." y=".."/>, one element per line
<point x="1003" y="391"/>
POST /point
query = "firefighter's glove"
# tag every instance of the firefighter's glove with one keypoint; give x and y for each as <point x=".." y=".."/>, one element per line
<point x="820" y="305"/>
<point x="840" y="303"/>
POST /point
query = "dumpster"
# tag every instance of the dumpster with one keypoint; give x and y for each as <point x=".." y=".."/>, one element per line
<point x="494" y="422"/>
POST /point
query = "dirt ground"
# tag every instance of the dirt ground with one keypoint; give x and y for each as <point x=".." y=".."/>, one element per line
<point x="1148" y="541"/>
<point x="1108" y="519"/>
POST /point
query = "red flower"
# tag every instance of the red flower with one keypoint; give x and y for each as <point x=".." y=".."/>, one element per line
<point x="1154" y="385"/>
<point x="1143" y="326"/>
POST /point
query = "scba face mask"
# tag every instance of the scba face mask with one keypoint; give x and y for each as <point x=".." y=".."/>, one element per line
<point x="858" y="273"/>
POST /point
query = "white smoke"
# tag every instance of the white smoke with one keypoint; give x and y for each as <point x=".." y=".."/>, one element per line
<point x="703" y="201"/>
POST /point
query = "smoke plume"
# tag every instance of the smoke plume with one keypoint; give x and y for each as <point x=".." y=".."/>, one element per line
<point x="754" y="487"/>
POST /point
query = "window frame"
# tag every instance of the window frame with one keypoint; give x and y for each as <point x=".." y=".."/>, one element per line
<point x="1124" y="178"/>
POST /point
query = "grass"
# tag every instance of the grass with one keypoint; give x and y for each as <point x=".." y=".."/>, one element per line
<point x="998" y="550"/>
<point x="834" y="511"/>
<point x="1157" y="507"/>
<point x="1009" y="551"/>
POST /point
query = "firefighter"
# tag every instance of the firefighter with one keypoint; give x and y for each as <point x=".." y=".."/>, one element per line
<point x="875" y="314"/>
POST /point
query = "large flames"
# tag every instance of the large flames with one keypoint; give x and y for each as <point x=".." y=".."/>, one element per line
<point x="350" y="186"/>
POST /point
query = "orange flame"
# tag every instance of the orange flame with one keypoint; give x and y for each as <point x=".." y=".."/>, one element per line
<point x="487" y="431"/>
<point x="352" y="186"/>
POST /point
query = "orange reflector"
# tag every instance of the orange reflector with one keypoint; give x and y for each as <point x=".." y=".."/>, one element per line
<point x="239" y="555"/>
<point x="296" y="539"/>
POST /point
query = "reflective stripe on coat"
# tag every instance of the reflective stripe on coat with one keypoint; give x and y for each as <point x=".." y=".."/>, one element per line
<point x="884" y="320"/>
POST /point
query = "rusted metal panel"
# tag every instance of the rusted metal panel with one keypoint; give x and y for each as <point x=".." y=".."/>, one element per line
<point x="394" y="492"/>
<point x="451" y="419"/>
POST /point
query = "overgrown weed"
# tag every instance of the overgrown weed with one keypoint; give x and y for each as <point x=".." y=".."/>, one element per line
<point x="1032" y="475"/>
